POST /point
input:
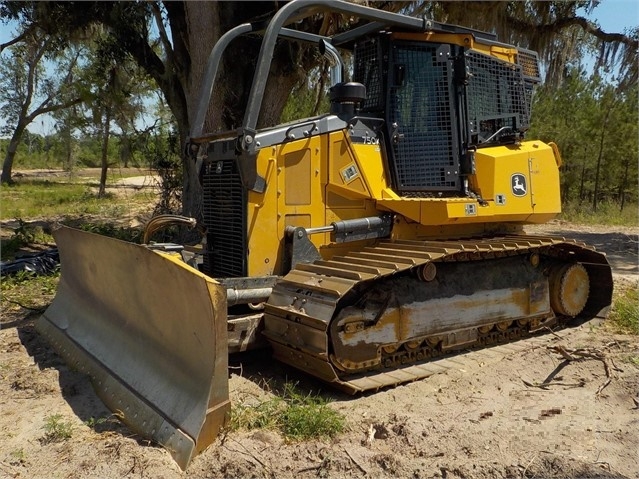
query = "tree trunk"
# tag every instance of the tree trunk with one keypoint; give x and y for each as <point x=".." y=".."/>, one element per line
<point x="581" y="184"/>
<point x="69" y="159"/>
<point x="125" y="149"/>
<point x="623" y="184"/>
<point x="7" y="165"/>
<point x="600" y="157"/>
<point x="198" y="27"/>
<point x="105" y="152"/>
<point x="195" y="27"/>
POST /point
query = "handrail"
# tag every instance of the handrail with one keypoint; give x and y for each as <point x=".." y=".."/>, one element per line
<point x="206" y="90"/>
<point x="294" y="11"/>
<point x="304" y="8"/>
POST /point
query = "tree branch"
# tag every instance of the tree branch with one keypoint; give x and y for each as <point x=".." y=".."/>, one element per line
<point x="561" y="23"/>
<point x="19" y="38"/>
<point x="53" y="107"/>
<point x="591" y="28"/>
<point x="157" y="14"/>
<point x="32" y="67"/>
<point x="142" y="52"/>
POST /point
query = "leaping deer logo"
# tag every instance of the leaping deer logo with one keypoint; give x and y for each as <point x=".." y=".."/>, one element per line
<point x="518" y="184"/>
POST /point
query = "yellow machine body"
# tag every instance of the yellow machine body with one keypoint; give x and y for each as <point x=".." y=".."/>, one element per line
<point x="306" y="188"/>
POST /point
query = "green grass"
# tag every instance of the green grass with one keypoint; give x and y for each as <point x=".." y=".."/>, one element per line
<point x="24" y="290"/>
<point x="103" y="423"/>
<point x="56" y="429"/>
<point x="632" y="359"/>
<point x="44" y="198"/>
<point x="23" y="235"/>
<point x="607" y="213"/>
<point x="624" y="317"/>
<point x="132" y="235"/>
<point x="297" y="416"/>
<point x="18" y="456"/>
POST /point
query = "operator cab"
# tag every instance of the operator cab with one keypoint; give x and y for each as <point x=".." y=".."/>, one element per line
<point x="440" y="102"/>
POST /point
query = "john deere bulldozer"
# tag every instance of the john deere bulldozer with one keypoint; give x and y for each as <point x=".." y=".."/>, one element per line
<point x="359" y="245"/>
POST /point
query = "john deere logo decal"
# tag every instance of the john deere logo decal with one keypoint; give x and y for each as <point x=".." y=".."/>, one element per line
<point x="518" y="184"/>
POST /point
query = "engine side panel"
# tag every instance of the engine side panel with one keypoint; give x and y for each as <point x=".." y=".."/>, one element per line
<point x="314" y="181"/>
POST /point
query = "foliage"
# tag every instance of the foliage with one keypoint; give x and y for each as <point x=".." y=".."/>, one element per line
<point x="27" y="291"/>
<point x="24" y="291"/>
<point x="264" y="415"/>
<point x="625" y="311"/>
<point x="93" y="422"/>
<point x="26" y="83"/>
<point x="163" y="152"/>
<point x="295" y="415"/>
<point x="35" y="198"/>
<point x="608" y="213"/>
<point x="28" y="89"/>
<point x="119" y="88"/>
<point x="309" y="98"/>
<point x="309" y="416"/>
<point x="131" y="235"/>
<point x="23" y="235"/>
<point x="18" y="457"/>
<point x="595" y="125"/>
<point x="56" y="429"/>
<point x="103" y="423"/>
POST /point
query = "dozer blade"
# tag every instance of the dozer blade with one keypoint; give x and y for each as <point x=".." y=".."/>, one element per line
<point x="150" y="331"/>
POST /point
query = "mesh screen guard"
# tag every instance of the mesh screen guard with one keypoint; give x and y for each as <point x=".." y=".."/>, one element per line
<point x="496" y="96"/>
<point x="432" y="115"/>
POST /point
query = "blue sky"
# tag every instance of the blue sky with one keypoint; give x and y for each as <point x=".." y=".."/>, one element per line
<point x="611" y="15"/>
<point x="615" y="15"/>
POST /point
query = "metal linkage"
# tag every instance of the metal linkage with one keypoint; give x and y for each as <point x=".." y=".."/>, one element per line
<point x="300" y="249"/>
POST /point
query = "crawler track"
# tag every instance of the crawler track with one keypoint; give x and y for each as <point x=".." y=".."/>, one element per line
<point x="308" y="318"/>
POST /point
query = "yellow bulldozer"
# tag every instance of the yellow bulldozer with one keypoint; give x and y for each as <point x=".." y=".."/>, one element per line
<point x="359" y="245"/>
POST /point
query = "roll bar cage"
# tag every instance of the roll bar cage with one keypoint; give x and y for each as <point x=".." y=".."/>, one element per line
<point x="276" y="27"/>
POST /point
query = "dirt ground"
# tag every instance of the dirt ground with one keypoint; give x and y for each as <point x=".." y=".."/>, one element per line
<point x="486" y="417"/>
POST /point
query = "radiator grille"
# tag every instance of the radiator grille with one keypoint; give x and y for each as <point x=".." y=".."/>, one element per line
<point x="224" y="213"/>
<point x="496" y="96"/>
<point x="422" y="106"/>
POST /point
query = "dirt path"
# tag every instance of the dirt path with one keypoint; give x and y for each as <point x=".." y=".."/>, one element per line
<point x="620" y="243"/>
<point x="484" y="418"/>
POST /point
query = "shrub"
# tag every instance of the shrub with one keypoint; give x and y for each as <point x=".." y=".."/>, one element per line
<point x="56" y="429"/>
<point x="295" y="415"/>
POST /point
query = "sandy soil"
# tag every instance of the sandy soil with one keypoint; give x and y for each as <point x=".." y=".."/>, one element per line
<point x="483" y="418"/>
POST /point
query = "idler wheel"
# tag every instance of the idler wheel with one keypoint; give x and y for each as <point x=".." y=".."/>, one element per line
<point x="569" y="289"/>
